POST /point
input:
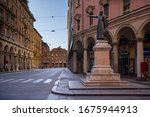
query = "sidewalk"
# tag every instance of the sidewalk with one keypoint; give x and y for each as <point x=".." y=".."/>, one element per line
<point x="70" y="84"/>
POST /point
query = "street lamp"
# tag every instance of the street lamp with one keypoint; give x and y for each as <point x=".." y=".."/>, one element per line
<point x="52" y="30"/>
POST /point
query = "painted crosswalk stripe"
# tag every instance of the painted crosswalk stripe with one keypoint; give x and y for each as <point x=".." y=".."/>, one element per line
<point x="3" y="81"/>
<point x="29" y="80"/>
<point x="37" y="81"/>
<point x="16" y="81"/>
<point x="48" y="81"/>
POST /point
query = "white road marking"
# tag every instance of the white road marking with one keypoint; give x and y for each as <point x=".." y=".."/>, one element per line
<point x="26" y="81"/>
<point x="48" y="81"/>
<point x="3" y="81"/>
<point x="37" y="81"/>
<point x="16" y="81"/>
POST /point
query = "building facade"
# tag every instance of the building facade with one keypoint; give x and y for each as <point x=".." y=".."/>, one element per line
<point x="45" y="55"/>
<point x="129" y="35"/>
<point x="16" y="35"/>
<point x="58" y="58"/>
<point x="37" y="54"/>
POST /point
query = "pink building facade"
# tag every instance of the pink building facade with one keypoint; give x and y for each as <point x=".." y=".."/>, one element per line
<point x="129" y="35"/>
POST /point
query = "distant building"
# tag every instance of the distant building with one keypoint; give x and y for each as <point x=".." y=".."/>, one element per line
<point x="129" y="34"/>
<point x="16" y="36"/>
<point x="58" y="57"/>
<point x="45" y="56"/>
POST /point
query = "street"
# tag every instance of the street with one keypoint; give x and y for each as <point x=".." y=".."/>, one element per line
<point x="38" y="85"/>
<point x="28" y="85"/>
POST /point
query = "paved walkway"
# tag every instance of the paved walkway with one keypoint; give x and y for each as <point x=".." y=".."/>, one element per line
<point x="70" y="84"/>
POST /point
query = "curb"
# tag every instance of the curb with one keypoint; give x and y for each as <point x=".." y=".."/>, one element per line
<point x="101" y="92"/>
<point x="96" y="94"/>
<point x="62" y="88"/>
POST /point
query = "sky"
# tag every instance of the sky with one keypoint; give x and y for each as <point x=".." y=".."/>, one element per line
<point x="51" y="15"/>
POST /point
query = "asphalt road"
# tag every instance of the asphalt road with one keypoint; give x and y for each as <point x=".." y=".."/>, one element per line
<point x="28" y="85"/>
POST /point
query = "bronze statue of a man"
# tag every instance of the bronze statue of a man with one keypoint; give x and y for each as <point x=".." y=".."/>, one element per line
<point x="101" y="26"/>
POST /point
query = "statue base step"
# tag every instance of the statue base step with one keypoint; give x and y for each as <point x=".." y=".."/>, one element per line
<point x="113" y="79"/>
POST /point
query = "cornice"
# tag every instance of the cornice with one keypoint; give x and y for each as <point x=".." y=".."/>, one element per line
<point x="132" y="16"/>
<point x="16" y="44"/>
<point x="27" y="9"/>
<point x="88" y="30"/>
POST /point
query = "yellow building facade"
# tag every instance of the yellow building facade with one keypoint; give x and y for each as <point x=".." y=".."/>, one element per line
<point x="37" y="45"/>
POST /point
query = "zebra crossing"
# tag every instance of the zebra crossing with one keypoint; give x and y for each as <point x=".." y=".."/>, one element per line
<point x="23" y="81"/>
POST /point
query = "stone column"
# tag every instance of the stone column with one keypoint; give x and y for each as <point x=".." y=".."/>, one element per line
<point x="140" y="56"/>
<point x="21" y="63"/>
<point x="1" y="61"/>
<point x="7" y="65"/>
<point x="115" y="53"/>
<point x="16" y="62"/>
<point x="25" y="63"/>
<point x="74" y="61"/>
<point x="12" y="62"/>
<point x="85" y="61"/>
<point x="30" y="62"/>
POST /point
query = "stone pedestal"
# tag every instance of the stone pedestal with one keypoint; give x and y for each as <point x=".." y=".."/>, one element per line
<point x="102" y="74"/>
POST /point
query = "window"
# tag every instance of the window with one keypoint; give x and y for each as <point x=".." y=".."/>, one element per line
<point x="78" y="24"/>
<point x="90" y="11"/>
<point x="106" y="10"/>
<point x="78" y="3"/>
<point x="91" y="19"/>
<point x="7" y="2"/>
<point x="1" y="12"/>
<point x="126" y="6"/>
<point x="77" y="20"/>
<point x="1" y="28"/>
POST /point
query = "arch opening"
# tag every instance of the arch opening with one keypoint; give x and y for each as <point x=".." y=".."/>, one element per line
<point x="127" y="51"/>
